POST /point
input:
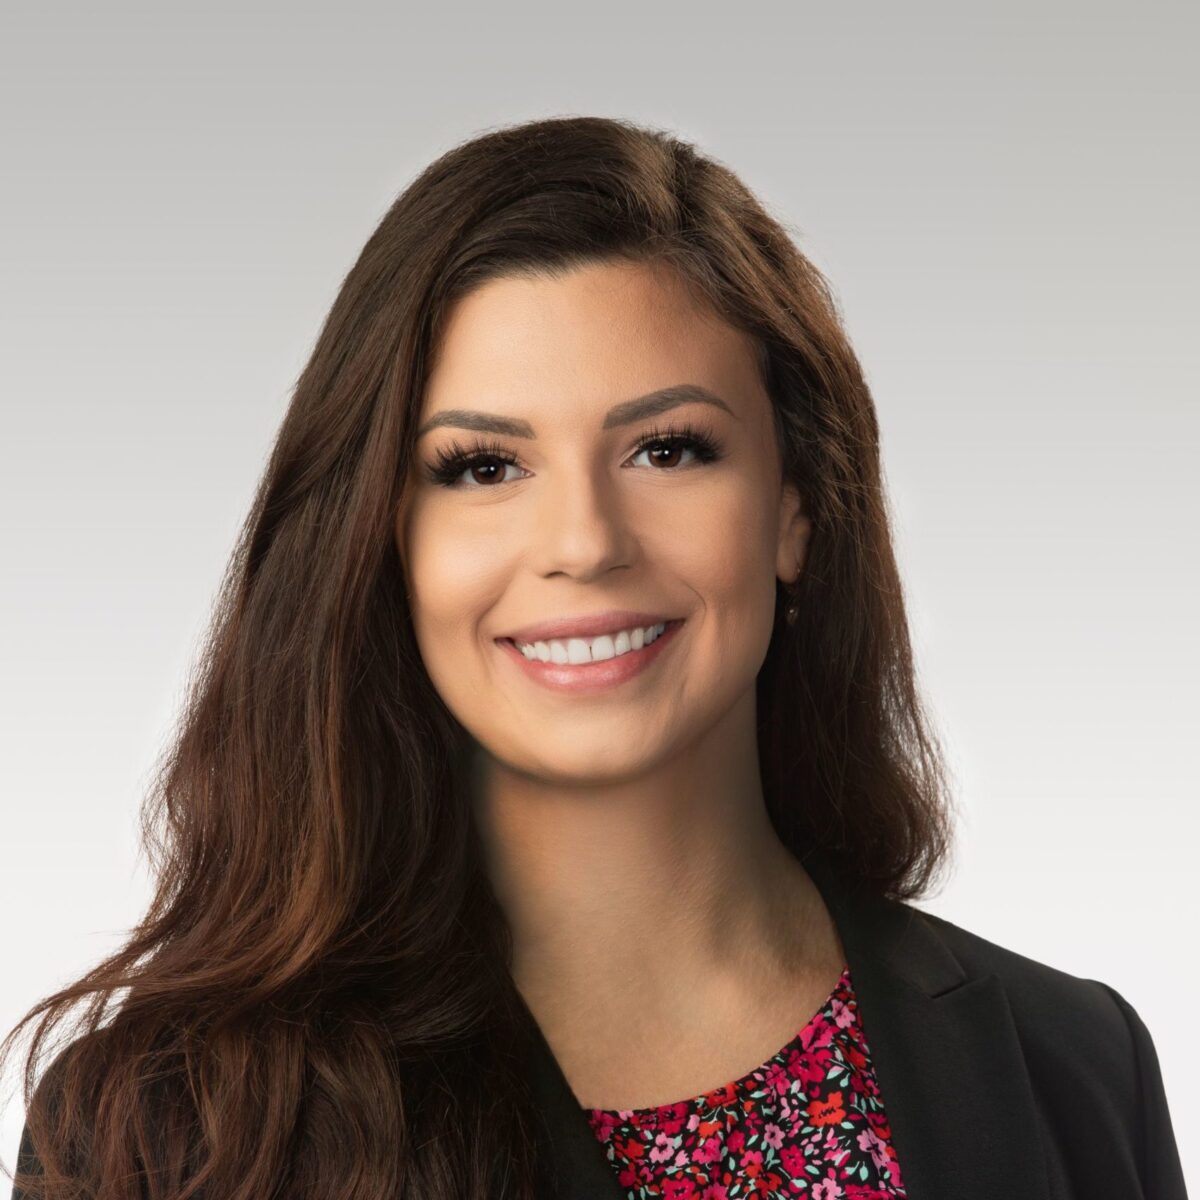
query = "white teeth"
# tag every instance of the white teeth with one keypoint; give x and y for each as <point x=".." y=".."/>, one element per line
<point x="595" y="649"/>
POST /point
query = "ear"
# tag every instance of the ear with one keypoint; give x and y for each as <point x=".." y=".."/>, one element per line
<point x="795" y="528"/>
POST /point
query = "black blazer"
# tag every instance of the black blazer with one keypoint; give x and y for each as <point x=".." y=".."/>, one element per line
<point x="1002" y="1078"/>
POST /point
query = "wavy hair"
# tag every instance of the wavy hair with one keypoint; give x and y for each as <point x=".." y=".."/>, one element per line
<point x="318" y="1003"/>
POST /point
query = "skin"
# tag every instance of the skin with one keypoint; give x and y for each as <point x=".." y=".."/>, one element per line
<point x="664" y="938"/>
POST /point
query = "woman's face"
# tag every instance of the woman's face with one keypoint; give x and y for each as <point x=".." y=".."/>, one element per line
<point x="583" y="498"/>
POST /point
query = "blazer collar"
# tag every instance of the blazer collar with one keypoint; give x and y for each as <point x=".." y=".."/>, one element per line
<point x="942" y="1042"/>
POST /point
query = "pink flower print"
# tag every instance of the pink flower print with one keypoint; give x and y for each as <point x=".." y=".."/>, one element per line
<point x="893" y="1171"/>
<point x="843" y="1014"/>
<point x="827" y="1189"/>
<point x="604" y="1124"/>
<point x="818" y="1035"/>
<point x="672" y="1118"/>
<point x="792" y="1159"/>
<point x="812" y="1071"/>
<point x="776" y="1079"/>
<point x="752" y="1162"/>
<point x="809" y="1124"/>
<point x="663" y="1148"/>
<point x="871" y="1142"/>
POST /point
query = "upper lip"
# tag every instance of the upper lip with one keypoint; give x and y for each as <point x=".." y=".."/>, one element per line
<point x="588" y="626"/>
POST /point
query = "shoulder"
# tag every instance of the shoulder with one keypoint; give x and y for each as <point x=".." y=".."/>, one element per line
<point x="1086" y="1048"/>
<point x="1060" y="1015"/>
<point x="1042" y="996"/>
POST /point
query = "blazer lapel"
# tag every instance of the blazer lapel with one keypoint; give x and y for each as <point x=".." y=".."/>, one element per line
<point x="945" y="1051"/>
<point x="943" y="1046"/>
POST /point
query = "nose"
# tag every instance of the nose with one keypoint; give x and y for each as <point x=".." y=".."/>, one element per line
<point x="582" y="528"/>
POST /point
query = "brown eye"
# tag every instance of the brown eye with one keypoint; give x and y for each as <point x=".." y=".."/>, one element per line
<point x="666" y="454"/>
<point x="485" y="465"/>
<point x="487" y="471"/>
<point x="665" y="446"/>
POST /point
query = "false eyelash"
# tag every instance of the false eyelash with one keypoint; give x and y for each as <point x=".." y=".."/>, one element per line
<point x="450" y="462"/>
<point x="699" y="438"/>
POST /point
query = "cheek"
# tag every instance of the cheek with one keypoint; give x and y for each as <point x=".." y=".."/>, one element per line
<point x="451" y="575"/>
<point x="728" y="547"/>
<point x="730" y="552"/>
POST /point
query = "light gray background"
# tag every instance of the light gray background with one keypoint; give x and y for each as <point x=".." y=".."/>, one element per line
<point x="1005" y="199"/>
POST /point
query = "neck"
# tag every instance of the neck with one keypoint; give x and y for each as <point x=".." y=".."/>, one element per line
<point x="616" y="891"/>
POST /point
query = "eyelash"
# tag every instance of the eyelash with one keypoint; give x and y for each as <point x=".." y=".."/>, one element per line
<point x="451" y="462"/>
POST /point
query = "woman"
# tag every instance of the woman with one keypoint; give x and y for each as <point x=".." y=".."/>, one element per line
<point x="545" y="815"/>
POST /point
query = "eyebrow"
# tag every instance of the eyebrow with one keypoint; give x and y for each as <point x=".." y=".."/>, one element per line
<point x="625" y="413"/>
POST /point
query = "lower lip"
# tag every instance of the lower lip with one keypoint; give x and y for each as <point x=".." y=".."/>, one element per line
<point x="592" y="676"/>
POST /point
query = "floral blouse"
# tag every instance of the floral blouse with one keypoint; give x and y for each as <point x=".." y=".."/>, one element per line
<point x="808" y="1122"/>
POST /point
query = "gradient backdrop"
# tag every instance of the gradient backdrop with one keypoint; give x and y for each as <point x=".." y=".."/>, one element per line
<point x="1006" y="201"/>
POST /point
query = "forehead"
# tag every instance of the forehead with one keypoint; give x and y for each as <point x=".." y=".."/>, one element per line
<point x="590" y="337"/>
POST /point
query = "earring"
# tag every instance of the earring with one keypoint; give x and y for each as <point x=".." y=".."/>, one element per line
<point x="792" y="612"/>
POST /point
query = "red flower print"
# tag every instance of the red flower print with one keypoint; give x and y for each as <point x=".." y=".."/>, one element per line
<point x="679" y="1189"/>
<point x="719" y="1096"/>
<point x="828" y="1111"/>
<point x="752" y="1164"/>
<point x="631" y="1148"/>
<point x="809" y="1124"/>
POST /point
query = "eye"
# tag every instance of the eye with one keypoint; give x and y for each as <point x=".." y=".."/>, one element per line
<point x="452" y="464"/>
<point x="670" y="441"/>
<point x="484" y="465"/>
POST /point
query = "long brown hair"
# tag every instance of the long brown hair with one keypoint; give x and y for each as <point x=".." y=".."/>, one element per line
<point x="318" y="1002"/>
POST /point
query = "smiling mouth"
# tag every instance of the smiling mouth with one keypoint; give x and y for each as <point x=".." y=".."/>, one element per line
<point x="599" y="648"/>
